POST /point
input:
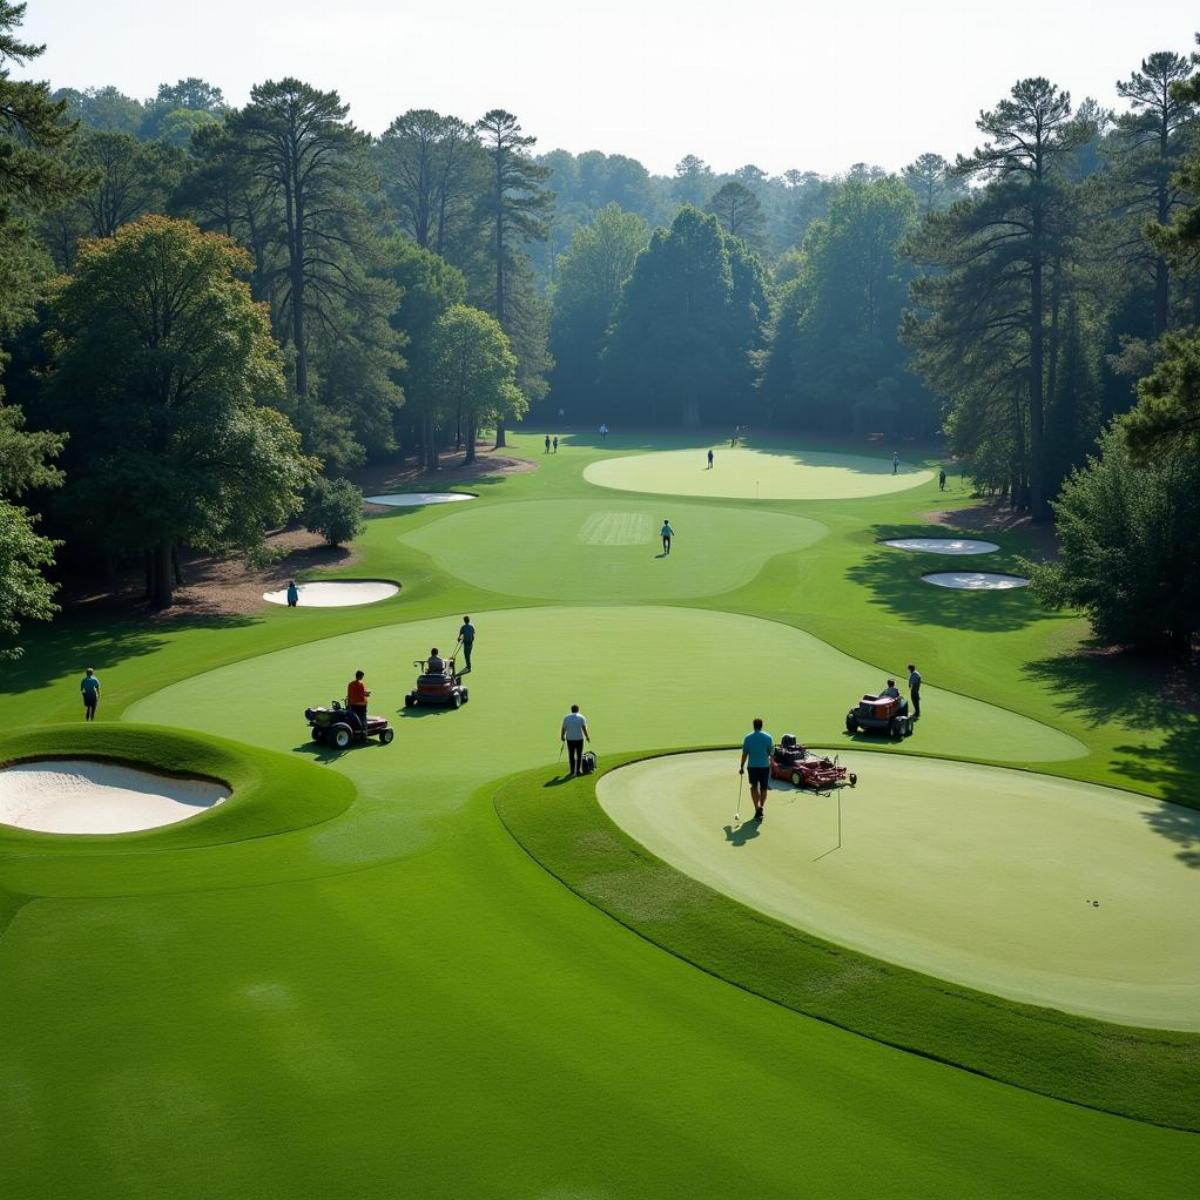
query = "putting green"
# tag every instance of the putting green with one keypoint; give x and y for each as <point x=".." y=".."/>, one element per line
<point x="753" y="474"/>
<point x="577" y="550"/>
<point x="1044" y="890"/>
<point x="644" y="676"/>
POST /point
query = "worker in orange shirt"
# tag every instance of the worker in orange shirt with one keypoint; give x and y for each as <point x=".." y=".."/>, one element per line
<point x="356" y="699"/>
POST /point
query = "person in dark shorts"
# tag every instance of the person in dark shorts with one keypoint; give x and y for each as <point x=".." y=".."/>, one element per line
<point x="914" y="689"/>
<point x="89" y="686"/>
<point x="556" y="443"/>
<point x="356" y="699"/>
<point x="574" y="731"/>
<point x="547" y="443"/>
<point x="293" y="594"/>
<point x="756" y="751"/>
<point x="466" y="635"/>
<point x="942" y="480"/>
<point x="895" y="462"/>
<point x="666" y="533"/>
<point x="710" y="460"/>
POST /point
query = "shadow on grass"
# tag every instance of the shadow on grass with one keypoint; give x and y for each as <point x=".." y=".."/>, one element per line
<point x="894" y="579"/>
<point x="100" y="640"/>
<point x="739" y="835"/>
<point x="1144" y="696"/>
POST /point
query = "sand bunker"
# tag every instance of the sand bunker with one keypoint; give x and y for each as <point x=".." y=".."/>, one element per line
<point x="337" y="593"/>
<point x="942" y="545"/>
<point x="416" y="499"/>
<point x="976" y="581"/>
<point x="1044" y="890"/>
<point x="82" y="796"/>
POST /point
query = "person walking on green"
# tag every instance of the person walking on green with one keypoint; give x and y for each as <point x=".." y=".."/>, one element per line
<point x="89" y="686"/>
<point x="666" y="533"/>
<point x="574" y="730"/>
<point x="466" y="636"/>
<point x="756" y="751"/>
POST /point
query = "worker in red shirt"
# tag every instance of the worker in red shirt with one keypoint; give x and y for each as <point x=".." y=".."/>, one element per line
<point x="356" y="699"/>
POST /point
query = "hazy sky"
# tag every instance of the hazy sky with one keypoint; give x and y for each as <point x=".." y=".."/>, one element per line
<point x="784" y="84"/>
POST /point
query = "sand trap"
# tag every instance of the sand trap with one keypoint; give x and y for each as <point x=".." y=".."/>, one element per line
<point x="752" y="474"/>
<point x="339" y="593"/>
<point x="942" y="545"/>
<point x="416" y="499"/>
<point x="82" y="796"/>
<point x="1045" y="890"/>
<point x="976" y="581"/>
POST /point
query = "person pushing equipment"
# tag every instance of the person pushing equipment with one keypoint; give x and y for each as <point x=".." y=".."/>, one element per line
<point x="757" y="747"/>
<point x="666" y="533"/>
<point x="573" y="732"/>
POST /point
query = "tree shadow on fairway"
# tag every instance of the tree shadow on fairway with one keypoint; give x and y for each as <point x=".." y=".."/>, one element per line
<point x="72" y="643"/>
<point x="894" y="579"/>
<point x="1142" y="695"/>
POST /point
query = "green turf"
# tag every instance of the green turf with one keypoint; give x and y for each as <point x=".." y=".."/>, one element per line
<point x="587" y="552"/>
<point x="756" y="473"/>
<point x="398" y="999"/>
<point x="1044" y="890"/>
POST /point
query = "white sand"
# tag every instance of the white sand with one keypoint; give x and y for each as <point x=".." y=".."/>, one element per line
<point x="976" y="581"/>
<point x="78" y="796"/>
<point x="415" y="499"/>
<point x="336" y="593"/>
<point x="942" y="545"/>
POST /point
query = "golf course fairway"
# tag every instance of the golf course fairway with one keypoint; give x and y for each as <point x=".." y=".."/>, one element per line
<point x="756" y="474"/>
<point x="1044" y="890"/>
<point x="438" y="969"/>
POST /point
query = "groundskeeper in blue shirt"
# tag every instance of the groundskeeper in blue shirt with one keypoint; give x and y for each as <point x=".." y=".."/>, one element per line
<point x="757" y="747"/>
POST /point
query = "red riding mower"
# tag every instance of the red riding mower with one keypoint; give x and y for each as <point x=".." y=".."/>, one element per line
<point x="337" y="726"/>
<point x="443" y="688"/>
<point x="800" y="767"/>
<point x="880" y="714"/>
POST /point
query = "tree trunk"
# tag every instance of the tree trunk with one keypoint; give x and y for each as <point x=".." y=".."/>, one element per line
<point x="161" y="590"/>
<point x="500" y="442"/>
<point x="176" y="568"/>
<point x="471" y="435"/>
<point x="1039" y="503"/>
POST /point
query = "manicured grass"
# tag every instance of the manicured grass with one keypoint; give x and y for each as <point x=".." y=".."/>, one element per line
<point x="968" y="873"/>
<point x="1148" y="1074"/>
<point x="399" y="998"/>
<point x="587" y="552"/>
<point x="756" y="473"/>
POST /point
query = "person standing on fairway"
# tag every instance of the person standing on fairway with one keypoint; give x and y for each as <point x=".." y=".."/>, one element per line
<point x="710" y="460"/>
<point x="466" y="635"/>
<point x="756" y="749"/>
<point x="356" y="699"/>
<point x="89" y="686"/>
<point x="942" y="480"/>
<point x="603" y="432"/>
<point x="574" y="730"/>
<point x="914" y="689"/>
<point x="666" y="533"/>
<point x="895" y="462"/>
<point x="556" y="443"/>
<point x="547" y="443"/>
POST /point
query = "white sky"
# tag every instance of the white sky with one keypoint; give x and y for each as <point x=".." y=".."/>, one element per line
<point x="783" y="84"/>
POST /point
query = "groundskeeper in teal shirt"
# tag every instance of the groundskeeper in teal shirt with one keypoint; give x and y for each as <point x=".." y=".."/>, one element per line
<point x="757" y="748"/>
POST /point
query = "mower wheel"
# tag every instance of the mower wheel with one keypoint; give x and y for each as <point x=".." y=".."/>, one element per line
<point x="385" y="736"/>
<point x="908" y="726"/>
<point x="456" y="699"/>
<point x="853" y="779"/>
<point x="465" y="696"/>
<point x="797" y="779"/>
<point x="896" y="727"/>
<point x="409" y="700"/>
<point x="318" y="734"/>
<point x="851" y="722"/>
<point x="342" y="736"/>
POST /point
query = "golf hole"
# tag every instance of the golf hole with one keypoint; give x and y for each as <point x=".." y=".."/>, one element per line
<point x="417" y="499"/>
<point x="941" y="545"/>
<point x="89" y="796"/>
<point x="979" y="875"/>
<point x="976" y="581"/>
<point x="337" y="593"/>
